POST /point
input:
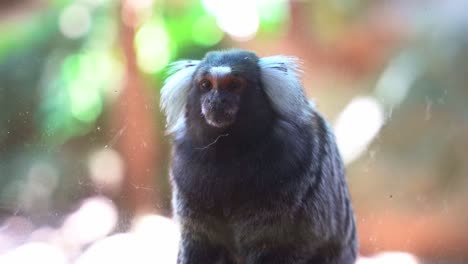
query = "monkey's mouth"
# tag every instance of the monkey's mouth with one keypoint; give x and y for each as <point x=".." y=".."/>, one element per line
<point x="219" y="118"/>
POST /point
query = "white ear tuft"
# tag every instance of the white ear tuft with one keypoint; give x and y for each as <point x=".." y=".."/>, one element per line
<point x="281" y="81"/>
<point x="175" y="91"/>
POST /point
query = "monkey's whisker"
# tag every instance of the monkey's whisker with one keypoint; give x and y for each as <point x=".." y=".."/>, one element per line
<point x="214" y="142"/>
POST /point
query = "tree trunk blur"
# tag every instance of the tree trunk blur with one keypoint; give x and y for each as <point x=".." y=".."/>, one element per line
<point x="136" y="122"/>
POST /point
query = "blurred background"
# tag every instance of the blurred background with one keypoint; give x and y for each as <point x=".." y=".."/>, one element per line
<point x="84" y="157"/>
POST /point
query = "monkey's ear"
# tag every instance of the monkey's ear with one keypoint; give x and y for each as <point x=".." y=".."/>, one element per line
<point x="280" y="76"/>
<point x="175" y="91"/>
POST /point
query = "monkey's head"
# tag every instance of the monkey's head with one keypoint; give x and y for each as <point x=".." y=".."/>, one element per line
<point x="233" y="88"/>
<point x="221" y="83"/>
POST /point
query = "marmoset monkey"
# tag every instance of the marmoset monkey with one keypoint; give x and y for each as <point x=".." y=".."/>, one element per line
<point x="256" y="173"/>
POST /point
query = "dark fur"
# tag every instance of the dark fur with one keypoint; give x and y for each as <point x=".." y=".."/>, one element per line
<point x="263" y="190"/>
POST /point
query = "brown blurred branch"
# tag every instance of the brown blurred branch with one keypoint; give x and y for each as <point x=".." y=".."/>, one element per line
<point x="138" y="144"/>
<point x="17" y="10"/>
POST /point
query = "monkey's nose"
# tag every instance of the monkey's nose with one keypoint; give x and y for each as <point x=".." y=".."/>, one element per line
<point x="217" y="101"/>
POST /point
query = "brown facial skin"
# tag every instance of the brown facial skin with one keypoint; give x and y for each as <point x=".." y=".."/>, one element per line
<point x="220" y="96"/>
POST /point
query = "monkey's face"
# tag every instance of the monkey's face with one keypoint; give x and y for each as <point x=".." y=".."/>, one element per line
<point x="221" y="83"/>
<point x="220" y="95"/>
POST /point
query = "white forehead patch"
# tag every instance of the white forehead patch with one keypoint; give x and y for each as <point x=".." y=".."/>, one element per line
<point x="220" y="70"/>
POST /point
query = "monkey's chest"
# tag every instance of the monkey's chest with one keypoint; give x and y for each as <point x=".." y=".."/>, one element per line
<point x="220" y="191"/>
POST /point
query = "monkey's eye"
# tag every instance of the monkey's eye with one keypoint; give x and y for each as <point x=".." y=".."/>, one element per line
<point x="206" y="85"/>
<point x="235" y="86"/>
